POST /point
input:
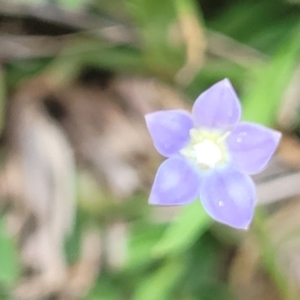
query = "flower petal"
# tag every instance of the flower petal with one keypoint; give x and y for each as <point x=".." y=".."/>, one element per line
<point x="176" y="183"/>
<point x="218" y="107"/>
<point x="229" y="197"/>
<point x="251" y="146"/>
<point x="169" y="130"/>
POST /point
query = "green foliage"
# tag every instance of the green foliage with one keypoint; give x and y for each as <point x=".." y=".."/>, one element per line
<point x="71" y="4"/>
<point x="9" y="262"/>
<point x="271" y="81"/>
<point x="183" y="232"/>
<point x="144" y="237"/>
<point x="157" y="21"/>
<point x="202" y="279"/>
<point x="259" y="24"/>
<point x="180" y="260"/>
<point x="158" y="285"/>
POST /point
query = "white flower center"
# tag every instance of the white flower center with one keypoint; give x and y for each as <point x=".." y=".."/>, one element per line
<point x="206" y="149"/>
<point x="208" y="153"/>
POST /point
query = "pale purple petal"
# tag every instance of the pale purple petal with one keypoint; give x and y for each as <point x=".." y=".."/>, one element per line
<point x="251" y="146"/>
<point x="229" y="197"/>
<point x="176" y="183"/>
<point x="217" y="108"/>
<point x="169" y="130"/>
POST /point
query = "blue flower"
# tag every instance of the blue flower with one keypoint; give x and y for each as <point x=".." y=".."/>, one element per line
<point x="210" y="155"/>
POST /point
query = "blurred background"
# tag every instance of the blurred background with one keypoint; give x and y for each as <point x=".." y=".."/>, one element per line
<point x="77" y="163"/>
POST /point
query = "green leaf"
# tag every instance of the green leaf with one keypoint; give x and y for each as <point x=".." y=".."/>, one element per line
<point x="104" y="289"/>
<point x="158" y="286"/>
<point x="262" y="98"/>
<point x="162" y="50"/>
<point x="72" y="4"/>
<point x="118" y="59"/>
<point x="9" y="266"/>
<point x="184" y="231"/>
<point x="143" y="238"/>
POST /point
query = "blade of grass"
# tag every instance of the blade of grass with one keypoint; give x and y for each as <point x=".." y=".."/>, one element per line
<point x="158" y="285"/>
<point x="183" y="232"/>
<point x="263" y="96"/>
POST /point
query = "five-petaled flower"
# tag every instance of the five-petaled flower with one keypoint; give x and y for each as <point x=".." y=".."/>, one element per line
<point x="210" y="155"/>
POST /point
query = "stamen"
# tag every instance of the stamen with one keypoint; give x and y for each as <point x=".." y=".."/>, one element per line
<point x="206" y="149"/>
<point x="207" y="153"/>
